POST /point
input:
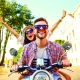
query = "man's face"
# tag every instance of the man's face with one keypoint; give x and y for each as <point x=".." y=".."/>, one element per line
<point x="41" y="29"/>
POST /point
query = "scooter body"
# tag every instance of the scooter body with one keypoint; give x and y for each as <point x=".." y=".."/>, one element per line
<point x="43" y="75"/>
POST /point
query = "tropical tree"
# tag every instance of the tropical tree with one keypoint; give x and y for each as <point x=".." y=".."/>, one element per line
<point x="2" y="4"/>
<point x="59" y="41"/>
<point x="65" y="44"/>
<point x="16" y="16"/>
<point x="18" y="55"/>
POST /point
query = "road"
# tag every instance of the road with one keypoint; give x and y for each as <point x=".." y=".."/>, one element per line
<point x="74" y="75"/>
<point x="12" y="77"/>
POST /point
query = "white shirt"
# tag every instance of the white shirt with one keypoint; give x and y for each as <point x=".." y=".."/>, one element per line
<point x="21" y="40"/>
<point x="41" y="53"/>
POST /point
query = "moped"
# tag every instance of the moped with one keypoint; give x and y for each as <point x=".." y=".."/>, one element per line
<point x="40" y="72"/>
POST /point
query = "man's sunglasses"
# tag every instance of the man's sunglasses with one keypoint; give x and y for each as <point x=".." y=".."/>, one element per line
<point x="29" y="31"/>
<point x="39" y="26"/>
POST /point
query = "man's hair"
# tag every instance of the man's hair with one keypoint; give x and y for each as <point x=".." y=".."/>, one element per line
<point x="40" y="19"/>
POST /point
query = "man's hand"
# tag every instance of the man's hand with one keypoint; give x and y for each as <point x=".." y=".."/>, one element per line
<point x="14" y="67"/>
<point x="66" y="63"/>
<point x="63" y="14"/>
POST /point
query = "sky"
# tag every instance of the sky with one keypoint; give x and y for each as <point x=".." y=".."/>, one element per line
<point x="50" y="9"/>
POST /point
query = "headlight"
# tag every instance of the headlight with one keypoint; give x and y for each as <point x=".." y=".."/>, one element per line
<point x="42" y="75"/>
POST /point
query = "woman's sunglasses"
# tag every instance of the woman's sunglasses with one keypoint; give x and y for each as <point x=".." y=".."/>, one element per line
<point x="39" y="26"/>
<point x="29" y="31"/>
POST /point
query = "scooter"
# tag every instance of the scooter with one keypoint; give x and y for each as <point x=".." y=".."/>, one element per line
<point x="40" y="72"/>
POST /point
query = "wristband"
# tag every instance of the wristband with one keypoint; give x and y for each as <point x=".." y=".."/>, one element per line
<point x="61" y="19"/>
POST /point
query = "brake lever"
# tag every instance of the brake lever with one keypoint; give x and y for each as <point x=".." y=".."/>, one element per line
<point x="12" y="72"/>
<point x="68" y="69"/>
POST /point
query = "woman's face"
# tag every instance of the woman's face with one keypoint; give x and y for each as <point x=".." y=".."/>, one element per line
<point x="30" y="34"/>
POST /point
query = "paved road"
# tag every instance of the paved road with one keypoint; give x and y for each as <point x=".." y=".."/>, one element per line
<point x="12" y="77"/>
<point x="75" y="75"/>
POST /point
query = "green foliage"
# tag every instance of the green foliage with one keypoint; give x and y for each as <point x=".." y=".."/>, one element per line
<point x="15" y="15"/>
<point x="19" y="54"/>
<point x="61" y="42"/>
<point x="64" y="44"/>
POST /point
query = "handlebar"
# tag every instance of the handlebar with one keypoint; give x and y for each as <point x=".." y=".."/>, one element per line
<point x="56" y="64"/>
<point x="22" y="68"/>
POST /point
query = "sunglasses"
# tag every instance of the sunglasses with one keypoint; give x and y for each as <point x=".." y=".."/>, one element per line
<point x="29" y="31"/>
<point x="39" y="26"/>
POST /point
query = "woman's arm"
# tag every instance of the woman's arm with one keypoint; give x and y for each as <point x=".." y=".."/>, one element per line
<point x="55" y="25"/>
<point x="58" y="22"/>
<point x="9" y="28"/>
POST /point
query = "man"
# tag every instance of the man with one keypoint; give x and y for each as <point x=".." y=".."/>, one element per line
<point x="42" y="48"/>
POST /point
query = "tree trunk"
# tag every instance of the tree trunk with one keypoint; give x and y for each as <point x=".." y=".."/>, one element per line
<point x="4" y="49"/>
<point x="0" y="41"/>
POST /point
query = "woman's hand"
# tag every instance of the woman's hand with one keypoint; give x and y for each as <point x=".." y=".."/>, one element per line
<point x="63" y="14"/>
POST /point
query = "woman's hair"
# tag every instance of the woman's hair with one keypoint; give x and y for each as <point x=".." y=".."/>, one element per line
<point x="26" y="40"/>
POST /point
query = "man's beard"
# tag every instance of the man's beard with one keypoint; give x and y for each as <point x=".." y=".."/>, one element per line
<point x="41" y="37"/>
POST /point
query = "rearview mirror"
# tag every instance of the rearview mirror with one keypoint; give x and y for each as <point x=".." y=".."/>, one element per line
<point x="67" y="45"/>
<point x="13" y="52"/>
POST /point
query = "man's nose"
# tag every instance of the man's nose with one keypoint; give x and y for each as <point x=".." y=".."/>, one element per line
<point x="41" y="27"/>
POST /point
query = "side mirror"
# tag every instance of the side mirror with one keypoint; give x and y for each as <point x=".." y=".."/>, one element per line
<point x="67" y="45"/>
<point x="13" y="52"/>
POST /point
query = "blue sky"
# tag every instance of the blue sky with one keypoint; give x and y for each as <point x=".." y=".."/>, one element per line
<point x="50" y="9"/>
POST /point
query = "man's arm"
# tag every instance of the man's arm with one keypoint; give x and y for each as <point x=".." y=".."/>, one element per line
<point x="58" y="22"/>
<point x="64" y="59"/>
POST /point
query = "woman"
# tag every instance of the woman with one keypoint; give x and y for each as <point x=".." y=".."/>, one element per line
<point x="28" y="33"/>
<point x="28" y="36"/>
